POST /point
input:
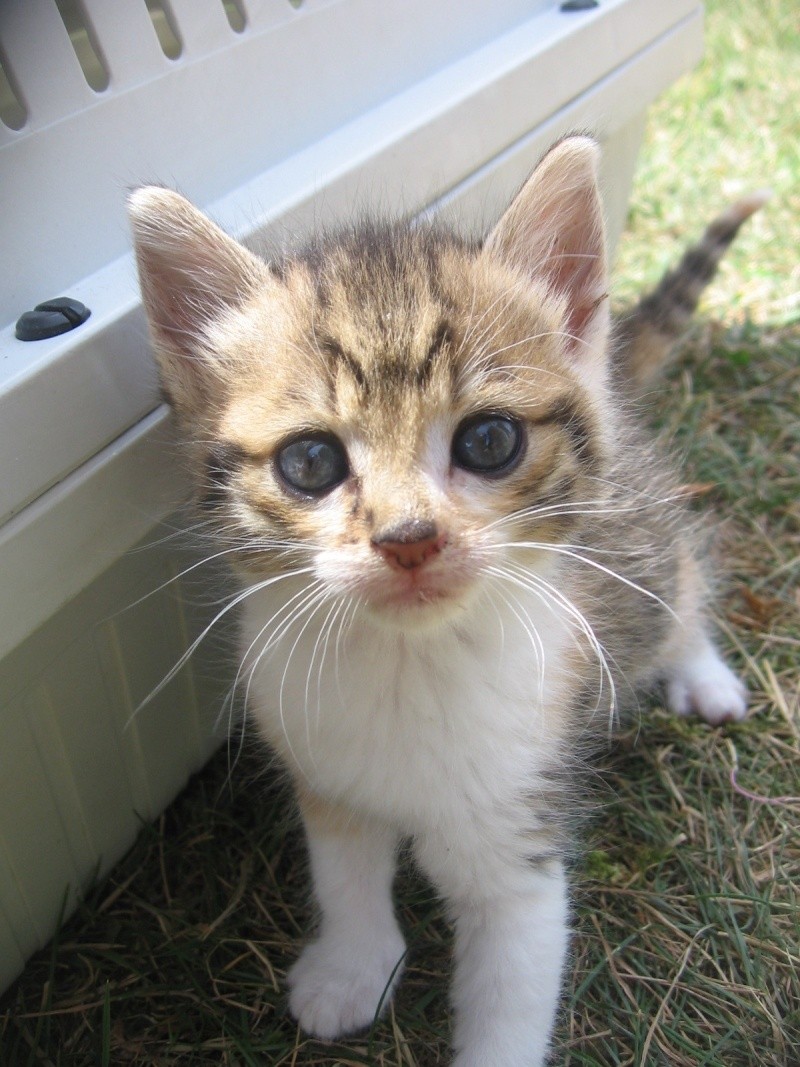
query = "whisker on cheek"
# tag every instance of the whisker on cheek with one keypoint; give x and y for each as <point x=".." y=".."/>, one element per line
<point x="233" y="603"/>
<point x="567" y="611"/>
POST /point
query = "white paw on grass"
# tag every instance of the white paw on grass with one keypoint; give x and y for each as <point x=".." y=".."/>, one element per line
<point x="338" y="989"/>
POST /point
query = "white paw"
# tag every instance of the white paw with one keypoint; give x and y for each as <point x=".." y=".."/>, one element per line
<point x="707" y="686"/>
<point x="336" y="988"/>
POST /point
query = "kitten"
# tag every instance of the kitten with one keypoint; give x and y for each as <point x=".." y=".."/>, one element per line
<point x="459" y="558"/>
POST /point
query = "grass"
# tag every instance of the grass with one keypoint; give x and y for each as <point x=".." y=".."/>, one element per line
<point x="687" y="914"/>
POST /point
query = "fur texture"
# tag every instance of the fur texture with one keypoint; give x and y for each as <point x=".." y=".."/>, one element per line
<point x="460" y="558"/>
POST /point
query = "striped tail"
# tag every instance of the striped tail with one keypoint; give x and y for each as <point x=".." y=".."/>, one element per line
<point x="647" y="335"/>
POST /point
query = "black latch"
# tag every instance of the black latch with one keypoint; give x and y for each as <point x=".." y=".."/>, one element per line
<point x="51" y="318"/>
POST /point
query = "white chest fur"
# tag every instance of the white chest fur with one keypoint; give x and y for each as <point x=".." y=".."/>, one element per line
<point x="410" y="726"/>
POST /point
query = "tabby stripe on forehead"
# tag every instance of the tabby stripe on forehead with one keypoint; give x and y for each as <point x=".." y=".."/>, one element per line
<point x="392" y="369"/>
<point x="335" y="350"/>
<point x="222" y="461"/>
<point x="441" y="339"/>
<point x="566" y="415"/>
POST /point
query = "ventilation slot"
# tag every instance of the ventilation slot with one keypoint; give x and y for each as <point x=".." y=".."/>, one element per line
<point x="12" y="111"/>
<point x="80" y="35"/>
<point x="235" y="15"/>
<point x="165" y="30"/>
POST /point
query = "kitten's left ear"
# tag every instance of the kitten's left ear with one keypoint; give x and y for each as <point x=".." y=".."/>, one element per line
<point x="553" y="232"/>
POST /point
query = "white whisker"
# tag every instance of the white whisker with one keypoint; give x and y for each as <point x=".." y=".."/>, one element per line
<point x="529" y="628"/>
<point x="311" y="608"/>
<point x="307" y="602"/>
<point x="287" y="608"/>
<point x="235" y="601"/>
<point x="578" y="555"/>
<point x="323" y="638"/>
<point x="575" y="507"/>
<point x="345" y="625"/>
<point x="552" y="598"/>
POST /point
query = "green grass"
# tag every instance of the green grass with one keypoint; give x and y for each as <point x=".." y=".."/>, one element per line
<point x="687" y="913"/>
<point x="730" y="127"/>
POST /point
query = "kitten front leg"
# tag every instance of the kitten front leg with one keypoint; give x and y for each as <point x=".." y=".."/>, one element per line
<point x="509" y="958"/>
<point x="512" y="933"/>
<point x="344" y="976"/>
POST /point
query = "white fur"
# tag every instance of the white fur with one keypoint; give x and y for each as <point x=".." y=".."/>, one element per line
<point x="440" y="735"/>
<point x="702" y="683"/>
<point x="343" y="977"/>
<point x="508" y="964"/>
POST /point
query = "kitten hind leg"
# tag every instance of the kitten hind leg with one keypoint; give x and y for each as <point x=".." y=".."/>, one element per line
<point x="347" y="974"/>
<point x="697" y="679"/>
<point x="702" y="682"/>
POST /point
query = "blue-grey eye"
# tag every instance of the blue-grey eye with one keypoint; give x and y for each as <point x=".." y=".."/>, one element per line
<point x="487" y="444"/>
<point x="313" y="464"/>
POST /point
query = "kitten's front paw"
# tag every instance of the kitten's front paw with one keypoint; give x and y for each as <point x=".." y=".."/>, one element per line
<point x="336" y="988"/>
<point x="707" y="686"/>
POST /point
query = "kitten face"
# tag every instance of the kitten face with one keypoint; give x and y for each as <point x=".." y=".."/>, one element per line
<point x="428" y="409"/>
<point x="392" y="407"/>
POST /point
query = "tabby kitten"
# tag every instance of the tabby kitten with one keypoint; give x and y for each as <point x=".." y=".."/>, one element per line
<point x="459" y="558"/>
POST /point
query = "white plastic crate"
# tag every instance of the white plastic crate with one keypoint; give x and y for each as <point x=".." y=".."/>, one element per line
<point x="276" y="115"/>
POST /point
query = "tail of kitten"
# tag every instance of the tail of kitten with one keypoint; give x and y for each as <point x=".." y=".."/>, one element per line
<point x="647" y="335"/>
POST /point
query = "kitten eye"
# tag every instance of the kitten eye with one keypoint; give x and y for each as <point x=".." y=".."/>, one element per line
<point x="487" y="444"/>
<point x="313" y="464"/>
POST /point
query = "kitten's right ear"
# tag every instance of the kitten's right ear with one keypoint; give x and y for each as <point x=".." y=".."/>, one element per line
<point x="190" y="274"/>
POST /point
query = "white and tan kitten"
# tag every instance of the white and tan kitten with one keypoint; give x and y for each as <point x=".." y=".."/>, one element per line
<point x="458" y="559"/>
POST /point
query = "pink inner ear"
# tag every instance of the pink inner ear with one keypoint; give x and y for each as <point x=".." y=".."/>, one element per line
<point x="575" y="265"/>
<point x="169" y="308"/>
<point x="577" y="277"/>
<point x="190" y="270"/>
<point x="553" y="231"/>
<point x="187" y="282"/>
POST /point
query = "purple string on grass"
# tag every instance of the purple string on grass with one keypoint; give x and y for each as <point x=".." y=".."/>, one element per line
<point x="778" y="801"/>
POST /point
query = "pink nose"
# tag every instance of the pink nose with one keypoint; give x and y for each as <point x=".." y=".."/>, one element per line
<point x="410" y="545"/>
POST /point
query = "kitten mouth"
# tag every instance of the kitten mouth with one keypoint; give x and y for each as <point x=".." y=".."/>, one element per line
<point x="415" y="592"/>
<point x="414" y="596"/>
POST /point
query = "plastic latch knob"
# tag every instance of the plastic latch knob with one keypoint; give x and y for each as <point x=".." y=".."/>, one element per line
<point x="50" y="318"/>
